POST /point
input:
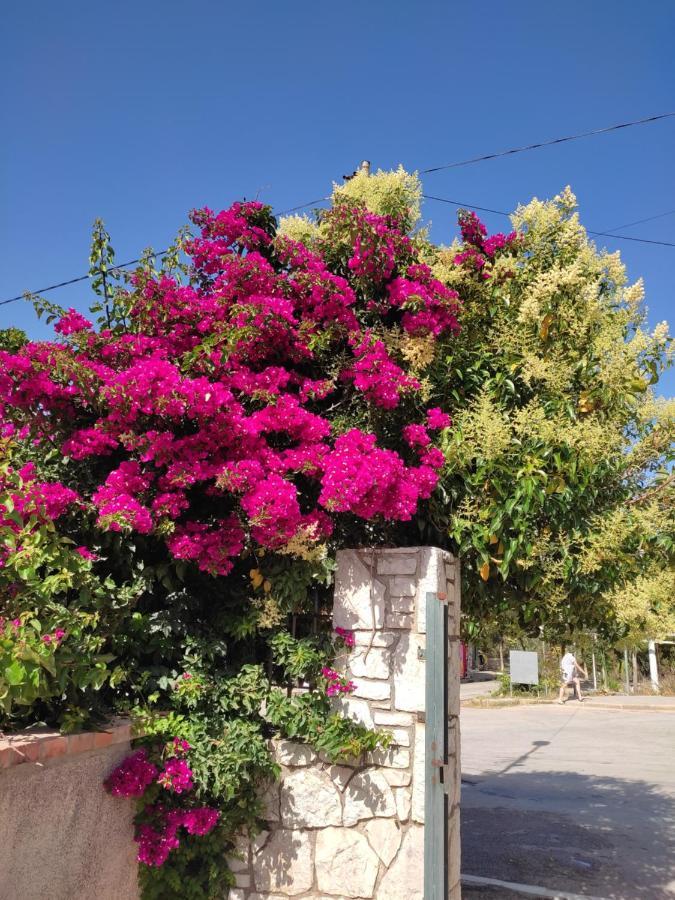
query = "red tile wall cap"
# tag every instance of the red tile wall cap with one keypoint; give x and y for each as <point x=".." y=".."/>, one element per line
<point x="40" y="744"/>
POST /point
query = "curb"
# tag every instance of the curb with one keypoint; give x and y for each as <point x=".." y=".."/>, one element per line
<point x="487" y="703"/>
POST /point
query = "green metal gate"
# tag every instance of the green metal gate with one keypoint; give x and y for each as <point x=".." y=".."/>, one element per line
<point x="436" y="750"/>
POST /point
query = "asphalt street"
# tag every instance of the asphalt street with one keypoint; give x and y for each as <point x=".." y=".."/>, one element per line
<point x="570" y="799"/>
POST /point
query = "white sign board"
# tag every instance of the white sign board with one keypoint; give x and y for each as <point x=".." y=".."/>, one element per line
<point x="524" y="667"/>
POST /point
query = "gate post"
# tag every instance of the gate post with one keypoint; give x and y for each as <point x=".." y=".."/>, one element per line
<point x="436" y="749"/>
<point x="374" y="827"/>
<point x="409" y="600"/>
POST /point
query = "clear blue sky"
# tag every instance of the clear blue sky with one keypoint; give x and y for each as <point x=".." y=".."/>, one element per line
<point x="137" y="112"/>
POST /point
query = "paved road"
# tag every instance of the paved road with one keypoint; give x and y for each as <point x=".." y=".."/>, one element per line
<point x="483" y="686"/>
<point x="570" y="798"/>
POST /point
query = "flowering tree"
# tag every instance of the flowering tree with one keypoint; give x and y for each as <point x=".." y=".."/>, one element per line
<point x="207" y="414"/>
<point x="197" y="454"/>
<point x="557" y="490"/>
<point x="176" y="477"/>
<point x="558" y="465"/>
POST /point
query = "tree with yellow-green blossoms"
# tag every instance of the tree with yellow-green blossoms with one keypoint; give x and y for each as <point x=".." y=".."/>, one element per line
<point x="558" y="464"/>
<point x="556" y="490"/>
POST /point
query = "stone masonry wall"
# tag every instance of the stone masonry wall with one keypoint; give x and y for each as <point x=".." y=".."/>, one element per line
<point x="357" y="831"/>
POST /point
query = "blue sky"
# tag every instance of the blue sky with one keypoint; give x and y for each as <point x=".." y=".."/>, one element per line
<point x="137" y="112"/>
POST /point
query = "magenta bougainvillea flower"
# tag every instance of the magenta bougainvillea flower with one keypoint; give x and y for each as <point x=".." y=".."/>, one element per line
<point x="207" y="421"/>
<point x="346" y="635"/>
<point x="176" y="776"/>
<point x="132" y="777"/>
<point x="71" y="323"/>
<point x="336" y="683"/>
<point x="158" y="833"/>
<point x="479" y="249"/>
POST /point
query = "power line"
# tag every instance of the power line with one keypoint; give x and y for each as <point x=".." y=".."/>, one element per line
<point x="132" y="262"/>
<point x="497" y="212"/>
<point x="285" y="212"/>
<point x="458" y="203"/>
<point x="52" y="287"/>
<point x="560" y="140"/>
<point x="465" y="162"/>
<point x="500" y="212"/>
<point x="640" y="221"/>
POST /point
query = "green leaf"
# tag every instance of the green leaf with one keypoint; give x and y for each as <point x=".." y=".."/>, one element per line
<point x="15" y="673"/>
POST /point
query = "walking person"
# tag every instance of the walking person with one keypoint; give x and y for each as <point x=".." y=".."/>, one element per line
<point x="570" y="670"/>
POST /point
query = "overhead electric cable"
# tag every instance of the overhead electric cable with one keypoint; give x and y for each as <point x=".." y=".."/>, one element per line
<point x="131" y="262"/>
<point x="640" y="221"/>
<point x="537" y="146"/>
<point x="454" y="165"/>
<point x="500" y="212"/>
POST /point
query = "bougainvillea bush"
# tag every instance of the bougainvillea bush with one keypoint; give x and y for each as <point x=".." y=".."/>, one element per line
<point x="249" y="406"/>
<point x="178" y="474"/>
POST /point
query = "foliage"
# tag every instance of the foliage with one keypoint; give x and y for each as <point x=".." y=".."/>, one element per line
<point x="397" y="193"/>
<point x="225" y="723"/>
<point x="12" y="339"/>
<point x="51" y="648"/>
<point x="555" y="430"/>
<point x="178" y="477"/>
<point x="195" y="458"/>
<point x="644" y="606"/>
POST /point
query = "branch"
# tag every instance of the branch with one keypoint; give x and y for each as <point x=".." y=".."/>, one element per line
<point x="651" y="492"/>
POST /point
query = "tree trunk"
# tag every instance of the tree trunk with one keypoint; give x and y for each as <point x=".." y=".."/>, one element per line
<point x="635" y="671"/>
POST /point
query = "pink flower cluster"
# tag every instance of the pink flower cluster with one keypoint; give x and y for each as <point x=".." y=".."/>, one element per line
<point x="361" y="478"/>
<point x="132" y="777"/>
<point x="155" y="843"/>
<point x="480" y="250"/>
<point x="176" y="776"/>
<point x="33" y="504"/>
<point x="336" y="683"/>
<point x="209" y="419"/>
<point x="212" y="547"/>
<point x="437" y="419"/>
<point x="158" y="835"/>
<point x="380" y="379"/>
<point x="117" y="500"/>
<point x="416" y="436"/>
<point x="86" y="553"/>
<point x="429" y="307"/>
<point x="44" y="500"/>
<point x="72" y="323"/>
<point x="179" y="746"/>
<point x="157" y="840"/>
<point x="135" y="773"/>
<point x="347" y="636"/>
<point x="55" y="638"/>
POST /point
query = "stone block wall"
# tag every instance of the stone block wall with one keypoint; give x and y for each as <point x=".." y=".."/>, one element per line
<point x="357" y="831"/>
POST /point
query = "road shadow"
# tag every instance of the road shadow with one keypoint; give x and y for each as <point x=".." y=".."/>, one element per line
<point x="606" y="837"/>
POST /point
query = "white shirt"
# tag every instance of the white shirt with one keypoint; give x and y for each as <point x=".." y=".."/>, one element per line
<point x="568" y="665"/>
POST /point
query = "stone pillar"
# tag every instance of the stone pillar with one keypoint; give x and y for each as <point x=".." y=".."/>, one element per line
<point x="358" y="830"/>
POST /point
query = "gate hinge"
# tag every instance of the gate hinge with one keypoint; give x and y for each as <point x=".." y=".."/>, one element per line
<point x="447" y="778"/>
<point x="445" y="774"/>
